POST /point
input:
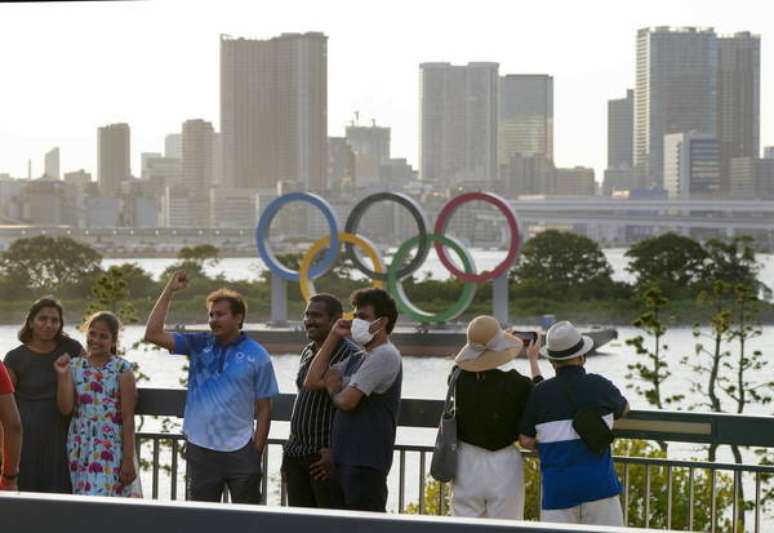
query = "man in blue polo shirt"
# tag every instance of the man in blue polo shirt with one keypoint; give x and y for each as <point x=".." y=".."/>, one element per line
<point x="579" y="485"/>
<point x="230" y="384"/>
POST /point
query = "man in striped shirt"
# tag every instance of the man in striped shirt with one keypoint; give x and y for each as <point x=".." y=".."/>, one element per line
<point x="307" y="463"/>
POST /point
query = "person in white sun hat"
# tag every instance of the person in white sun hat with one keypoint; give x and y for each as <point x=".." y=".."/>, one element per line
<point x="569" y="419"/>
<point x="490" y="397"/>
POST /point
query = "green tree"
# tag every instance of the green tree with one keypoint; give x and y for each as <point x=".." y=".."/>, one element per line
<point x="562" y="264"/>
<point x="672" y="262"/>
<point x="111" y="293"/>
<point x="654" y="372"/>
<point x="203" y="254"/>
<point x="48" y="263"/>
<point x="733" y="262"/>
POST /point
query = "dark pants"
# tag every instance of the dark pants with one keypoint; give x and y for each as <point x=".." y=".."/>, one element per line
<point x="210" y="471"/>
<point x="304" y="490"/>
<point x="364" y="488"/>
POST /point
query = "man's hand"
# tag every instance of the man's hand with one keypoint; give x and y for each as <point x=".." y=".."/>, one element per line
<point x="342" y="328"/>
<point x="62" y="364"/>
<point x="178" y="281"/>
<point x="324" y="468"/>
<point x="333" y="381"/>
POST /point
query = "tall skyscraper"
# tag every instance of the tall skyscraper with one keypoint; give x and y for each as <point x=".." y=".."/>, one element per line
<point x="371" y="146"/>
<point x="676" y="91"/>
<point x="273" y="102"/>
<point x="525" y="117"/>
<point x="458" y="121"/>
<point x="113" y="157"/>
<point x="197" y="154"/>
<point x="739" y="86"/>
<point x="51" y="164"/>
<point x="620" y="129"/>
<point x="768" y="152"/>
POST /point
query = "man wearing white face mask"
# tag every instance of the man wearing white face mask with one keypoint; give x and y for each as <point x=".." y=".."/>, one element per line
<point x="366" y="391"/>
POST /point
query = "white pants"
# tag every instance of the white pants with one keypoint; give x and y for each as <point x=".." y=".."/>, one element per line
<point x="605" y="512"/>
<point x="488" y="483"/>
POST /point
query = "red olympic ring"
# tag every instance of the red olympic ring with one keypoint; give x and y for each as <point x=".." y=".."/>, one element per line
<point x="443" y="220"/>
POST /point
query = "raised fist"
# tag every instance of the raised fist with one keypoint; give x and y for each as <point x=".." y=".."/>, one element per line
<point x="179" y="281"/>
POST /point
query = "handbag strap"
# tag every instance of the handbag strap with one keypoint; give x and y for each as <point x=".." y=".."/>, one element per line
<point x="450" y="406"/>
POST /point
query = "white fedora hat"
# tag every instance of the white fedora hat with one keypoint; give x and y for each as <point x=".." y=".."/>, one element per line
<point x="564" y="341"/>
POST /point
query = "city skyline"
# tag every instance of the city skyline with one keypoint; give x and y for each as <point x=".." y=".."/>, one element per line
<point x="379" y="79"/>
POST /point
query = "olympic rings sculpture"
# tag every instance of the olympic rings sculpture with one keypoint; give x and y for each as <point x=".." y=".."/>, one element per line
<point x="394" y="273"/>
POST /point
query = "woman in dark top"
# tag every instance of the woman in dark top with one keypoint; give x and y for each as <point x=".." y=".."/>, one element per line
<point x="490" y="399"/>
<point x="43" y="466"/>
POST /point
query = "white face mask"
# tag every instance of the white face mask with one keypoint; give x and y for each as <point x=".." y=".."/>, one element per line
<point x="360" y="333"/>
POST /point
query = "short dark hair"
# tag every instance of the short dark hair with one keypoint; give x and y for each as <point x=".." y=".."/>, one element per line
<point x="332" y="304"/>
<point x="110" y="320"/>
<point x="383" y="303"/>
<point x="237" y="304"/>
<point x="25" y="332"/>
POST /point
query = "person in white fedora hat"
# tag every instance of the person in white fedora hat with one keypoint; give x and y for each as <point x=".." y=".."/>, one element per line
<point x="579" y="483"/>
<point x="490" y="397"/>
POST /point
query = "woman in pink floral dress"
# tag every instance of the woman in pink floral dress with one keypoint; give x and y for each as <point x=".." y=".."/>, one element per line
<point x="99" y="391"/>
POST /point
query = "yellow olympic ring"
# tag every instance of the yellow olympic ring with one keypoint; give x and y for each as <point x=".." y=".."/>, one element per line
<point x="306" y="284"/>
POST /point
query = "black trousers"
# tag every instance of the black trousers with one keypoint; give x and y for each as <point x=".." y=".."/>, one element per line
<point x="210" y="471"/>
<point x="364" y="488"/>
<point x="304" y="490"/>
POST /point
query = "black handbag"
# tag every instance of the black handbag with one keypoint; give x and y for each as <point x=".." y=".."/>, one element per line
<point x="590" y="426"/>
<point x="443" y="466"/>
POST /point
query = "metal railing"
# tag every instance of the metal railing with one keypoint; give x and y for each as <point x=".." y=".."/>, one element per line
<point x="657" y="492"/>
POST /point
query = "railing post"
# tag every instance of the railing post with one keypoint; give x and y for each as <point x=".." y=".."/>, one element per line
<point x="279" y="301"/>
<point x="500" y="298"/>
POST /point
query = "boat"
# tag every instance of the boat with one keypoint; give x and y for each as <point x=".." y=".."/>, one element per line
<point x="415" y="341"/>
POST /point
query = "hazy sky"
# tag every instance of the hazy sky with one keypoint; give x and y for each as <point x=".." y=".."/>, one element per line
<point x="66" y="69"/>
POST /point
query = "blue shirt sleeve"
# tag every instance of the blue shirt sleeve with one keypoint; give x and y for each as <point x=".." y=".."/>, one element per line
<point x="189" y="343"/>
<point x="612" y="398"/>
<point x="265" y="380"/>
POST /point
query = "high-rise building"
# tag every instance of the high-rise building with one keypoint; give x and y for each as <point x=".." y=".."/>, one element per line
<point x="525" y="123"/>
<point x="197" y="168"/>
<point x="676" y="91"/>
<point x="768" y="152"/>
<point x="371" y="146"/>
<point x="113" y="158"/>
<point x="458" y="121"/>
<point x="51" y="164"/>
<point x="620" y="129"/>
<point x="173" y="145"/>
<point x="273" y="110"/>
<point x="341" y="165"/>
<point x="739" y="84"/>
<point x="691" y="164"/>
<point x="526" y="175"/>
<point x="577" y="181"/>
<point x="197" y="155"/>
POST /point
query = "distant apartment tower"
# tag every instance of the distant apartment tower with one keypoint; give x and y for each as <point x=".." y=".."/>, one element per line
<point x="458" y="122"/>
<point x="738" y="89"/>
<point x="273" y="103"/>
<point x="620" y="129"/>
<point x="525" y="123"/>
<point x="197" y="154"/>
<point x="113" y="158"/>
<point x="619" y="175"/>
<point x="691" y="165"/>
<point x="51" y="164"/>
<point x="676" y="91"/>
<point x="173" y="145"/>
<point x="371" y="147"/>
<point x="768" y="152"/>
